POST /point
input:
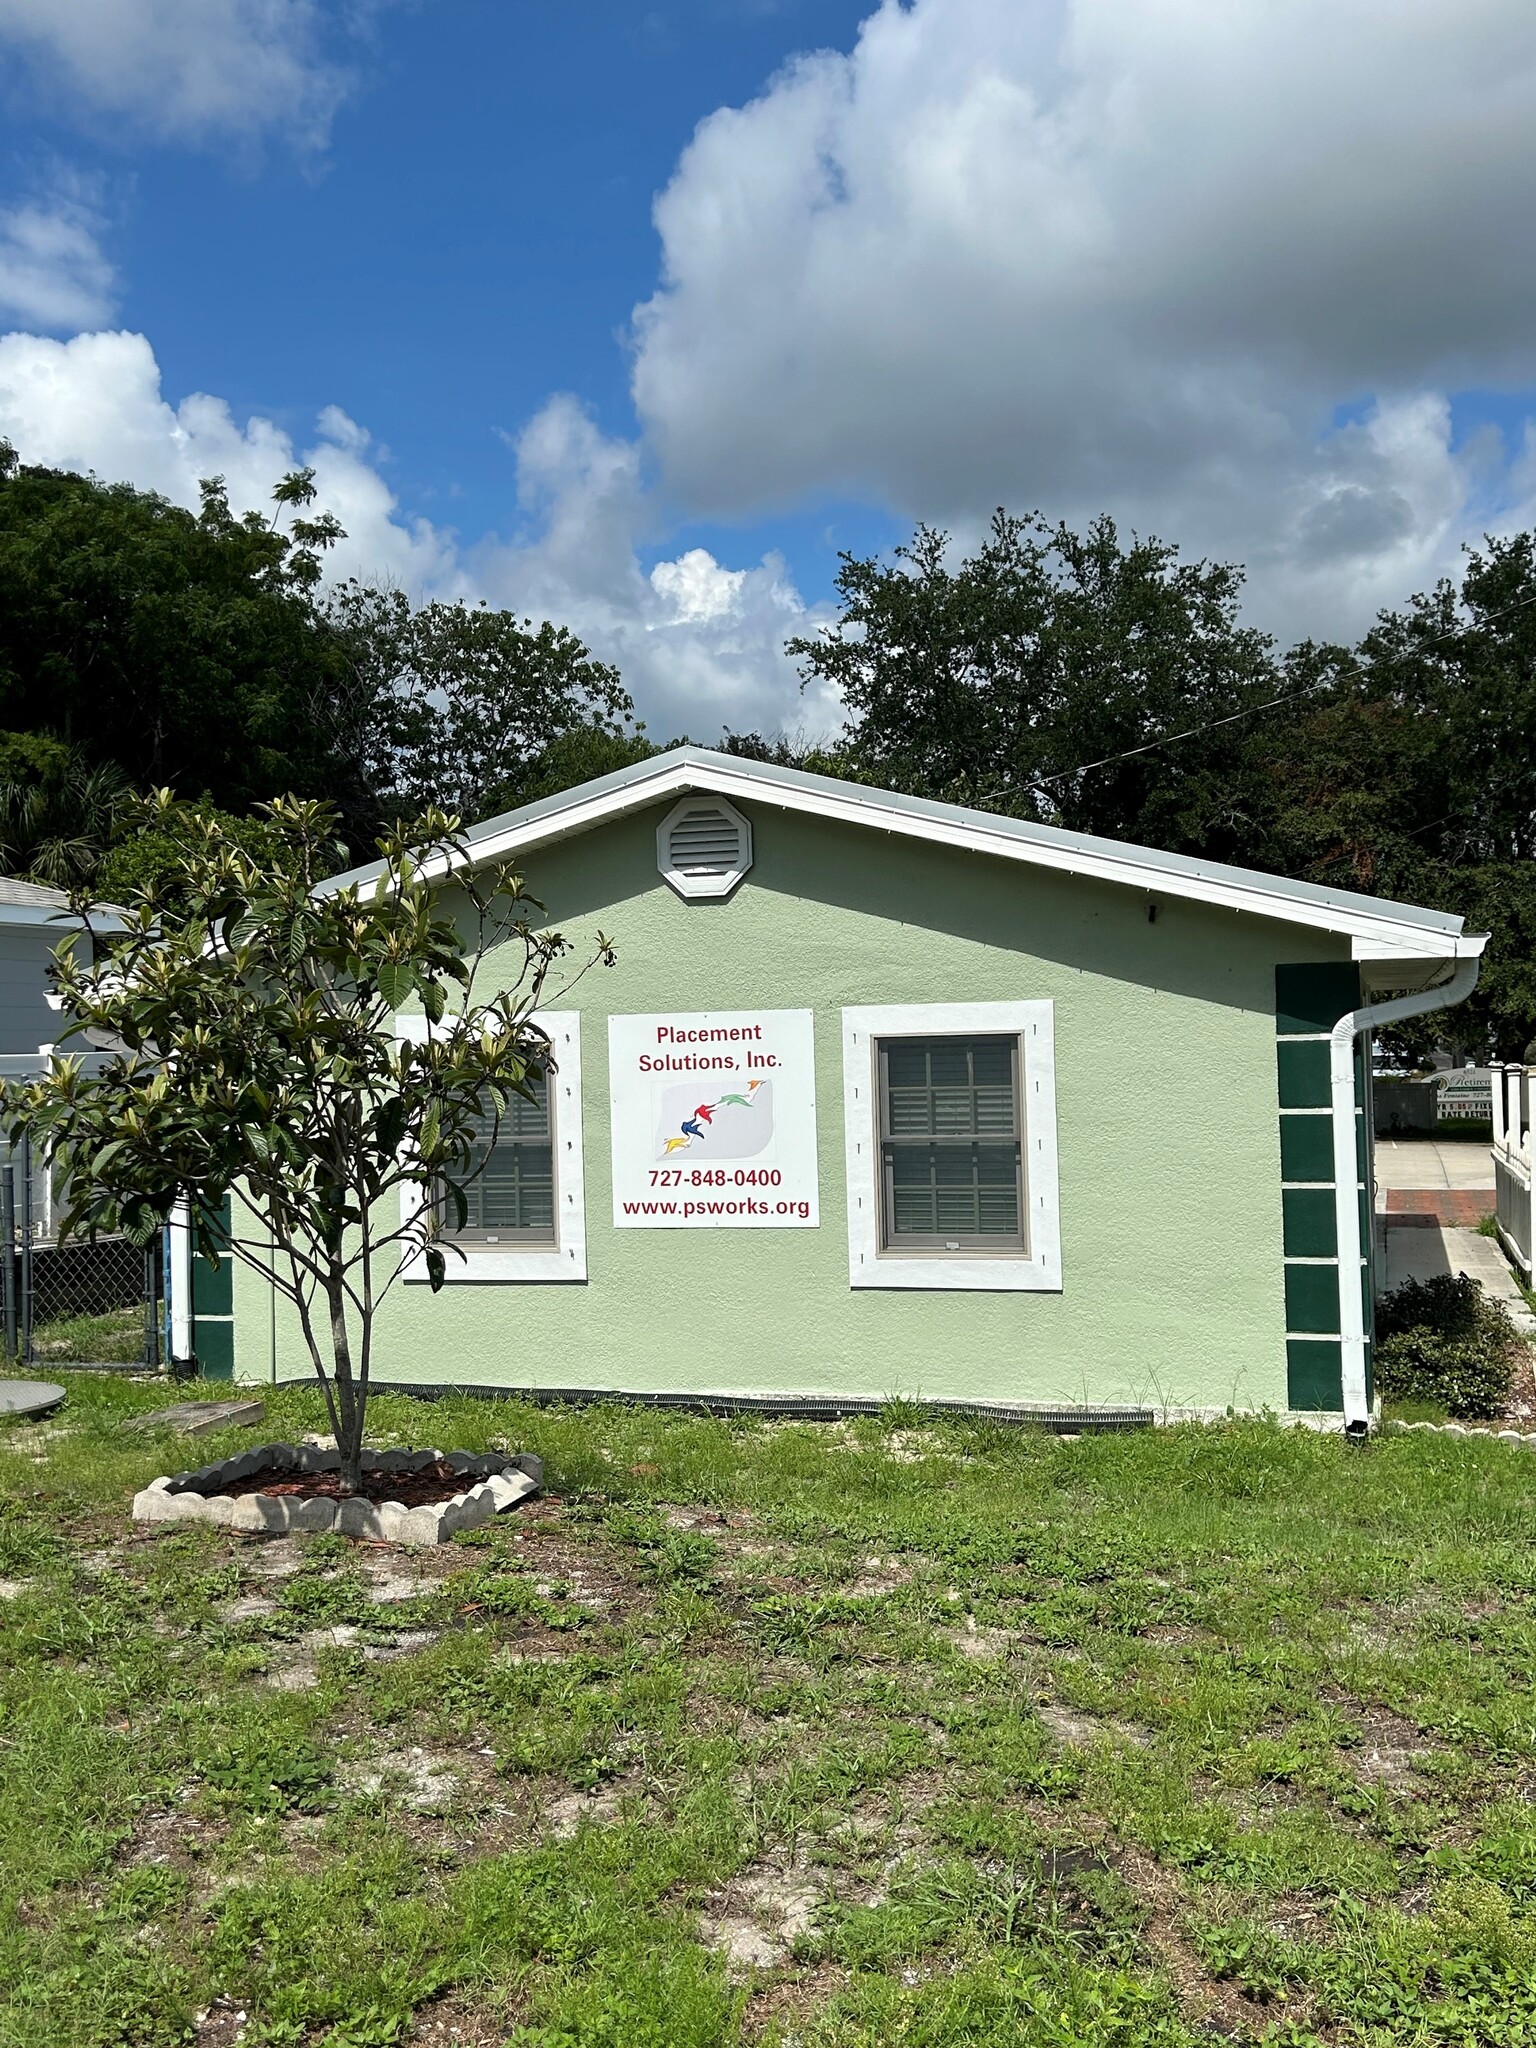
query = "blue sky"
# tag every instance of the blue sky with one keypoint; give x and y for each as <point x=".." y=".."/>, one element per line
<point x="634" y="317"/>
<point x="475" y="236"/>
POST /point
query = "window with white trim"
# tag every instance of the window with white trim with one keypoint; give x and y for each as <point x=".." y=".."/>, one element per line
<point x="527" y="1216"/>
<point x="950" y="1128"/>
<point x="509" y="1192"/>
<point x="951" y="1154"/>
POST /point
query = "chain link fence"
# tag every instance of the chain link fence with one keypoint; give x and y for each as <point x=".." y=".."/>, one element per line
<point x="88" y="1301"/>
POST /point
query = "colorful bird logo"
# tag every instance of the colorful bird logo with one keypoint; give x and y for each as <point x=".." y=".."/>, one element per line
<point x="698" y="1125"/>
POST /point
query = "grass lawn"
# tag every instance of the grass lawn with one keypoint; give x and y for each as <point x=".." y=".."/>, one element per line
<point x="117" y="1337"/>
<point x="877" y="1733"/>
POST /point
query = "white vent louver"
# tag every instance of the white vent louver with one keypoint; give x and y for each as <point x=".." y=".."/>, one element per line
<point x="704" y="847"/>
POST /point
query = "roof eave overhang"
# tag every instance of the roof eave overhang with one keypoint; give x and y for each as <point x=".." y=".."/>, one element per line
<point x="43" y="917"/>
<point x="1373" y="935"/>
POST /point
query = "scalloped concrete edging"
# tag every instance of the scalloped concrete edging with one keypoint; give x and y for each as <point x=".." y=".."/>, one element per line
<point x="1526" y="1439"/>
<point x="495" y="1484"/>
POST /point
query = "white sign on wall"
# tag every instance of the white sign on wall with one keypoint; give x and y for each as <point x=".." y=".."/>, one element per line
<point x="714" y="1120"/>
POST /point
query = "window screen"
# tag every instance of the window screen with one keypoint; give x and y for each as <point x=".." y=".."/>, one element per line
<point x="513" y="1199"/>
<point x="951" y="1151"/>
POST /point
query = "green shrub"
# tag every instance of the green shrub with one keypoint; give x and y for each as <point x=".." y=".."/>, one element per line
<point x="1444" y="1341"/>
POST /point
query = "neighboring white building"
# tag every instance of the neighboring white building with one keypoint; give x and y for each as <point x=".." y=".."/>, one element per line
<point x="32" y="922"/>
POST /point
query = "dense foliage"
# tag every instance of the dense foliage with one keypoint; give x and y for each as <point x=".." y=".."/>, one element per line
<point x="1106" y="686"/>
<point x="145" y="646"/>
<point x="461" y="704"/>
<point x="1445" y="1341"/>
<point x="1086" y="679"/>
<point x="257" y="1055"/>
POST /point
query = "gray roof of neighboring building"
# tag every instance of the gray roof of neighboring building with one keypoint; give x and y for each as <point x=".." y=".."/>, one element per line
<point x="34" y="903"/>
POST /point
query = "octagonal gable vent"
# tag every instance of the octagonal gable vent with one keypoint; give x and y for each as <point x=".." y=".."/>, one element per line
<point x="704" y="846"/>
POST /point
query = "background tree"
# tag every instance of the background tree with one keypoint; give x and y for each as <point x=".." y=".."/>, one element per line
<point x="182" y="647"/>
<point x="997" y="680"/>
<point x="259" y="1059"/>
<point x="59" y="810"/>
<point x="465" y="706"/>
<point x="1109" y="687"/>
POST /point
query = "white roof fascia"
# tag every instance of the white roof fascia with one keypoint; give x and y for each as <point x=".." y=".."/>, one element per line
<point x="45" y="916"/>
<point x="1376" y="928"/>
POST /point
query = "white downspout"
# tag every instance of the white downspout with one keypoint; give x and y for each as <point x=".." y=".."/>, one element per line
<point x="181" y="1283"/>
<point x="1346" y="1174"/>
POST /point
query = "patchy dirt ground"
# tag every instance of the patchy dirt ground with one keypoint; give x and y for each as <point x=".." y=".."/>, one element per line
<point x="795" y="1737"/>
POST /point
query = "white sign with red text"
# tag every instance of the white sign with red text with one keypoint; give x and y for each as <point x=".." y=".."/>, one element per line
<point x="714" y="1120"/>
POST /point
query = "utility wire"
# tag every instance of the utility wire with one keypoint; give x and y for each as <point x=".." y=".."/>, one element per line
<point x="1360" y="668"/>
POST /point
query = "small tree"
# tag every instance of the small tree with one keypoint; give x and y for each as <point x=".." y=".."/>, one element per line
<point x="252" y="1010"/>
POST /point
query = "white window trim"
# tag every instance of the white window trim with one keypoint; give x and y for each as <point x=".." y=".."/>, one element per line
<point x="566" y="1258"/>
<point x="1036" y="1271"/>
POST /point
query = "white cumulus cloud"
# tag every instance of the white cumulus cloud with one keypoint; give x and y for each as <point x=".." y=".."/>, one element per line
<point x="1137" y="255"/>
<point x="53" y="273"/>
<point x="700" y="645"/>
<point x="94" y="403"/>
<point x="188" y="69"/>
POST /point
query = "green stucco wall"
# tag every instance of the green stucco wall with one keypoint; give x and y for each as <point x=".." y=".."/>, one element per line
<point x="1170" y="1179"/>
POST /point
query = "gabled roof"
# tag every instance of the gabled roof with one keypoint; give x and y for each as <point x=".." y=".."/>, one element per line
<point x="1377" y="929"/>
<point x="32" y="903"/>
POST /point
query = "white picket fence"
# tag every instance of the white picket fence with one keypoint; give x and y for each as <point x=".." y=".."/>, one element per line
<point x="1514" y="1184"/>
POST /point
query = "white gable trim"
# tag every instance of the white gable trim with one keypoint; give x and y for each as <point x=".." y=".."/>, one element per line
<point x="1378" y="930"/>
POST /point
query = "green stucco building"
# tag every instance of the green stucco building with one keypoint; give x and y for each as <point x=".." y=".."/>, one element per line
<point x="886" y="1097"/>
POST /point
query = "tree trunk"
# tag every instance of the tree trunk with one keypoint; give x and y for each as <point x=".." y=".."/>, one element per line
<point x="350" y="1400"/>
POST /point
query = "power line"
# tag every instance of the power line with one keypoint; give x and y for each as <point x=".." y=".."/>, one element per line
<point x="1252" y="710"/>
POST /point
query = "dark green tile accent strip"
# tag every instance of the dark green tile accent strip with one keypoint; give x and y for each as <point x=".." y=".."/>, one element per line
<point x="1314" y="1374"/>
<point x="214" y="1344"/>
<point x="1303" y="1073"/>
<point x="1311" y="1228"/>
<point x="1306" y="1148"/>
<point x="213" y="1287"/>
<point x="1314" y="997"/>
<point x="1312" y="1299"/>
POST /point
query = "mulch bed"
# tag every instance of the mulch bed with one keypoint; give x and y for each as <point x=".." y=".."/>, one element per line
<point x="423" y="1489"/>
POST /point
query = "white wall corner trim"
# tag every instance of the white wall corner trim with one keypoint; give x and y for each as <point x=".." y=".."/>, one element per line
<point x="1038" y="1270"/>
<point x="566" y="1259"/>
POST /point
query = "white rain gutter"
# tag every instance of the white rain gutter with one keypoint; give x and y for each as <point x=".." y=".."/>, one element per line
<point x="181" y="1283"/>
<point x="1346" y="1173"/>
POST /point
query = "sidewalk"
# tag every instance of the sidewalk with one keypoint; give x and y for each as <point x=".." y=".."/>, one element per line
<point x="1429" y="1197"/>
<point x="1423" y="1163"/>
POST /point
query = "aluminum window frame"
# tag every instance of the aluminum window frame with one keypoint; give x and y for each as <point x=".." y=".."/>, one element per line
<point x="943" y="1243"/>
<point x="1035" y="1269"/>
<point x="517" y="1237"/>
<point x="521" y="1263"/>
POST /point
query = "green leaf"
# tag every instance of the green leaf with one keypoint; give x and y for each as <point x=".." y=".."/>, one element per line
<point x="437" y="1267"/>
<point x="396" y="980"/>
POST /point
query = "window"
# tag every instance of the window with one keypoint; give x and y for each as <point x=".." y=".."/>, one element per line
<point x="950" y="1130"/>
<point x="951" y="1156"/>
<point x="511" y="1199"/>
<point x="527" y="1218"/>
